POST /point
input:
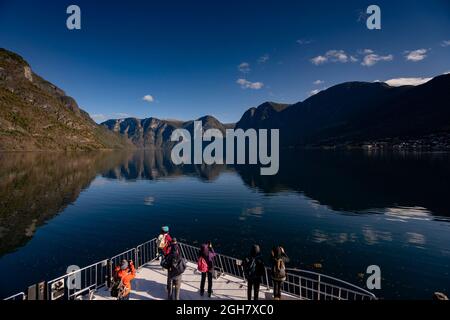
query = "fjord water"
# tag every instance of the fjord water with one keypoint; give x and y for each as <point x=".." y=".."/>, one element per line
<point x="335" y="212"/>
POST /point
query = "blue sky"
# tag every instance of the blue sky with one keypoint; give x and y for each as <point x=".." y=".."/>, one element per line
<point x="186" y="54"/>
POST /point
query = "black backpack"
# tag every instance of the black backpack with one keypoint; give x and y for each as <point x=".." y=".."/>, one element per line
<point x="179" y="265"/>
<point x="165" y="262"/>
<point x="249" y="266"/>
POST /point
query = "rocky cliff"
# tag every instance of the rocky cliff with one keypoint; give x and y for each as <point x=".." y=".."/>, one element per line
<point x="37" y="115"/>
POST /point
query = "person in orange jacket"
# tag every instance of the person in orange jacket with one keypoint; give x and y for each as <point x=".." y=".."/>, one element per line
<point x="125" y="273"/>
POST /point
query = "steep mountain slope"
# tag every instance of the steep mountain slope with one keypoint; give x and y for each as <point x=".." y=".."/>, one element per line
<point x="263" y="116"/>
<point x="355" y="112"/>
<point x="37" y="115"/>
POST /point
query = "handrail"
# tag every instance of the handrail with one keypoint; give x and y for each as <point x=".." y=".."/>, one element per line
<point x="300" y="284"/>
<point x="332" y="278"/>
<point x="16" y="296"/>
<point x="314" y="288"/>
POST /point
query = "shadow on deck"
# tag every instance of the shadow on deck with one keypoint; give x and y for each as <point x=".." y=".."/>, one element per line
<point x="151" y="279"/>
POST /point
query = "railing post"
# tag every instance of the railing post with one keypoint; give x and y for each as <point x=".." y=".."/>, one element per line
<point x="221" y="264"/>
<point x="267" y="279"/>
<point x="109" y="273"/>
<point x="182" y="251"/>
<point x="136" y="257"/>
<point x="318" y="288"/>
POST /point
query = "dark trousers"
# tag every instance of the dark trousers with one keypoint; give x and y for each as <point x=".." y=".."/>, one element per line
<point x="127" y="297"/>
<point x="202" y="282"/>
<point x="173" y="284"/>
<point x="277" y="289"/>
<point x="253" y="284"/>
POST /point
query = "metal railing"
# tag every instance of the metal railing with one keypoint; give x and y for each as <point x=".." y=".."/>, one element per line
<point x="17" y="297"/>
<point x="146" y="252"/>
<point x="299" y="284"/>
<point x="315" y="286"/>
<point x="79" y="282"/>
<point x="223" y="264"/>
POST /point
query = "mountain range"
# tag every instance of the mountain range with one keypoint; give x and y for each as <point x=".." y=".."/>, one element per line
<point x="351" y="113"/>
<point x="357" y="112"/>
<point x="153" y="132"/>
<point x="37" y="115"/>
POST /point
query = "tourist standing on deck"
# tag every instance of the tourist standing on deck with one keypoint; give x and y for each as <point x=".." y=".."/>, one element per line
<point x="164" y="242"/>
<point x="176" y="266"/>
<point x="253" y="266"/>
<point x="206" y="257"/>
<point x="279" y="260"/>
<point x="122" y="280"/>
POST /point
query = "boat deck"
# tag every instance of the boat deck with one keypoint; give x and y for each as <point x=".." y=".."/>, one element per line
<point x="151" y="279"/>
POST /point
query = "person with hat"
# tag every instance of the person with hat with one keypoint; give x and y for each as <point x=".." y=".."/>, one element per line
<point x="164" y="242"/>
<point x="176" y="265"/>
<point x="124" y="274"/>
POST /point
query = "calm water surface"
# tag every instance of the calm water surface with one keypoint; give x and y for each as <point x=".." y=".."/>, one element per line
<point x="344" y="210"/>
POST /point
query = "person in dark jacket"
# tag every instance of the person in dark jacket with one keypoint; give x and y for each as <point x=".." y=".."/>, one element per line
<point x="253" y="266"/>
<point x="176" y="267"/>
<point x="207" y="253"/>
<point x="279" y="260"/>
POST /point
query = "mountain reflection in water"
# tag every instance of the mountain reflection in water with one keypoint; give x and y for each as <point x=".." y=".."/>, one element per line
<point x="325" y="206"/>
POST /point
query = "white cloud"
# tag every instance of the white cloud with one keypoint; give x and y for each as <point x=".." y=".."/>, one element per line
<point x="331" y="56"/>
<point x="372" y="59"/>
<point x="148" y="98"/>
<point x="353" y="59"/>
<point x="397" y="82"/>
<point x="367" y="51"/>
<point x="244" y="67"/>
<point x="303" y="42"/>
<point x="445" y="43"/>
<point x="264" y="58"/>
<point x="317" y="82"/>
<point x="319" y="60"/>
<point x="99" y="117"/>
<point x="245" y="84"/>
<point x="416" y="55"/>
<point x="337" y="56"/>
<point x="121" y="115"/>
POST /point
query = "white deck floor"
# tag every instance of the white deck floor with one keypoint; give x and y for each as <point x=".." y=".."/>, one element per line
<point x="151" y="279"/>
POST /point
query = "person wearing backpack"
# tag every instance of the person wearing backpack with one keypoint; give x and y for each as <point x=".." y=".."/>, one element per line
<point x="176" y="267"/>
<point x="164" y="242"/>
<point x="206" y="257"/>
<point x="123" y="275"/>
<point x="253" y="266"/>
<point x="279" y="260"/>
